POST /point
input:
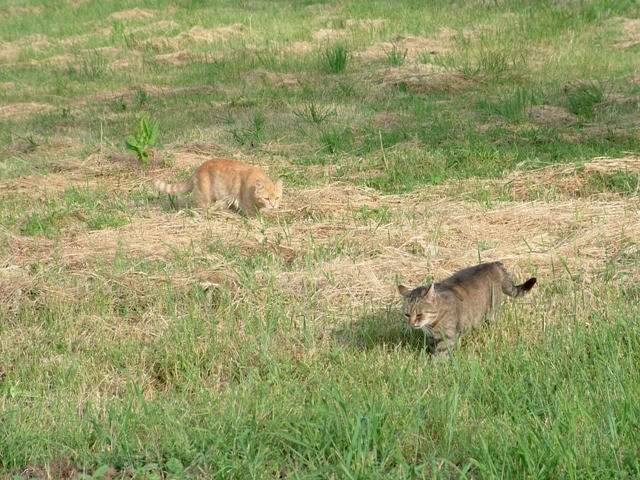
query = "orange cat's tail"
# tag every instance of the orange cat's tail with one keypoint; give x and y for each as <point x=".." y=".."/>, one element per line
<point x="174" y="189"/>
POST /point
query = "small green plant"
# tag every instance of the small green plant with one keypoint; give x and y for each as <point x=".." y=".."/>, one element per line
<point x="461" y="63"/>
<point x="99" y="473"/>
<point x="334" y="59"/>
<point x="396" y="56"/>
<point x="117" y="32"/>
<point x="583" y="97"/>
<point x="335" y="140"/>
<point x="254" y="135"/>
<point x="514" y="107"/>
<point x="32" y="144"/>
<point x="313" y="114"/>
<point x="93" y="65"/>
<point x="146" y="137"/>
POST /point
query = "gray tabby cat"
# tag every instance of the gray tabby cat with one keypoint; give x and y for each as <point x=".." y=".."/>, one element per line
<point x="449" y="309"/>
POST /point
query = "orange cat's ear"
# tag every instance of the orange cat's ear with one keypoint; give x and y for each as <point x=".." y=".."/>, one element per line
<point x="279" y="184"/>
<point x="259" y="185"/>
<point x="404" y="290"/>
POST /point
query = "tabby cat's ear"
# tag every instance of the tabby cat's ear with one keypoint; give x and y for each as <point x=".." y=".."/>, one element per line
<point x="430" y="294"/>
<point x="404" y="290"/>
<point x="259" y="185"/>
<point x="279" y="184"/>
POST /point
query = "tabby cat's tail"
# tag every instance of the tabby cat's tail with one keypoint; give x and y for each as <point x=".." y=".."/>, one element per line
<point x="517" y="290"/>
<point x="174" y="189"/>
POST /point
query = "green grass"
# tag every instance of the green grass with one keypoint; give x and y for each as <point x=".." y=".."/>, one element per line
<point x="143" y="336"/>
<point x="334" y="59"/>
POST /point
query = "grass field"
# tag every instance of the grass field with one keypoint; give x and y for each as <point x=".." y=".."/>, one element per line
<point x="141" y="338"/>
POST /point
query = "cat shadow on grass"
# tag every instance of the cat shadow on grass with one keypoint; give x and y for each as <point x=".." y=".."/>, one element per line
<point x="380" y="327"/>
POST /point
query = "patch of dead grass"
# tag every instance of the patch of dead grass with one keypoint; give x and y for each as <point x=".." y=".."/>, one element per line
<point x="367" y="23"/>
<point x="428" y="233"/>
<point x="299" y="48"/>
<point x="9" y="51"/>
<point x="183" y="57"/>
<point x="551" y="115"/>
<point x="150" y="90"/>
<point x="422" y="78"/>
<point x="7" y="86"/>
<point x="414" y="47"/>
<point x="131" y="61"/>
<point x="9" y="12"/>
<point x="604" y="165"/>
<point x="629" y="33"/>
<point x="279" y="80"/>
<point x="583" y="232"/>
<point x="196" y="35"/>
<point x="20" y="110"/>
<point x="134" y="14"/>
<point x="328" y="35"/>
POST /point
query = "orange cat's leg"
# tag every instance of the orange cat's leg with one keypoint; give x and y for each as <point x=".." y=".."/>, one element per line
<point x="249" y="210"/>
<point x="202" y="196"/>
<point x="199" y="199"/>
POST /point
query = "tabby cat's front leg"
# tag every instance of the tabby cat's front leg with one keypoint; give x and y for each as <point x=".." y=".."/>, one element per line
<point x="445" y="343"/>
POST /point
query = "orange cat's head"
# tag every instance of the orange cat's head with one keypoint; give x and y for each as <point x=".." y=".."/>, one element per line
<point x="268" y="194"/>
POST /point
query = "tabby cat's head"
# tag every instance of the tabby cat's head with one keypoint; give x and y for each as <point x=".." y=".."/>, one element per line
<point x="420" y="305"/>
<point x="268" y="194"/>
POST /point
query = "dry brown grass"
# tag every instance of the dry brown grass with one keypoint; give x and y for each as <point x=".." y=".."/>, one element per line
<point x="421" y="78"/>
<point x="414" y="47"/>
<point x="150" y="90"/>
<point x="19" y="110"/>
<point x="629" y="32"/>
<point x="136" y="14"/>
<point x="428" y="234"/>
<point x="328" y="34"/>
<point x="299" y="48"/>
<point x="196" y="35"/>
<point x="9" y="51"/>
<point x="183" y="57"/>
<point x="552" y="115"/>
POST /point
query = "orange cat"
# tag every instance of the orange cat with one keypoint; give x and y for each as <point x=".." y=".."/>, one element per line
<point x="240" y="185"/>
